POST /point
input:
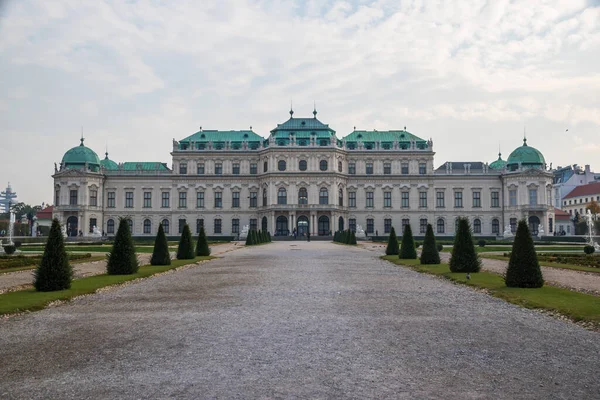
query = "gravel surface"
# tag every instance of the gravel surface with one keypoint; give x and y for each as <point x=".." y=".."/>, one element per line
<point x="295" y="320"/>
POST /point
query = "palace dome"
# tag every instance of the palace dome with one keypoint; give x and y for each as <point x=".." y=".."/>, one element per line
<point x="499" y="163"/>
<point x="526" y="156"/>
<point x="108" y="163"/>
<point x="78" y="156"/>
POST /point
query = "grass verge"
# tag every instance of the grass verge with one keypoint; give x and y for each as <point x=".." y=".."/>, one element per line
<point x="80" y="261"/>
<point x="579" y="307"/>
<point x="507" y="248"/>
<point x="550" y="264"/>
<point x="30" y="300"/>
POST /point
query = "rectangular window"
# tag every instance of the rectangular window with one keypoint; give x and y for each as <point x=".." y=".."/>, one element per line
<point x="423" y="199"/>
<point x="218" y="199"/>
<point x="352" y="224"/>
<point x="236" y="170"/>
<point x="128" y="199"/>
<point x="253" y="224"/>
<point x="73" y="197"/>
<point x="93" y="223"/>
<point x="165" y="200"/>
<point x="235" y="225"/>
<point x="217" y="228"/>
<point x="147" y="199"/>
<point x="476" y="199"/>
<point x="218" y="169"/>
<point x="201" y="169"/>
<point x="387" y="199"/>
<point x="387" y="225"/>
<point x="57" y="198"/>
<point x="404" y="168"/>
<point x="182" y="199"/>
<point x="253" y="169"/>
<point x="369" y="169"/>
<point x="370" y="225"/>
<point x="439" y="200"/>
<point x="405" y="201"/>
<point x="458" y="200"/>
<point x="253" y="199"/>
<point x="422" y="168"/>
<point x="533" y="197"/>
<point x="199" y="224"/>
<point x="512" y="197"/>
<point x="405" y="222"/>
<point x="369" y="200"/>
<point x="352" y="168"/>
<point x="495" y="199"/>
<point x="110" y="200"/>
<point x="387" y="168"/>
<point x="183" y="169"/>
<point x="181" y="225"/>
<point x="200" y="200"/>
<point x="235" y="199"/>
<point x="93" y="197"/>
<point x="550" y="224"/>
<point x="513" y="225"/>
<point x="352" y="199"/>
<point x="423" y="225"/>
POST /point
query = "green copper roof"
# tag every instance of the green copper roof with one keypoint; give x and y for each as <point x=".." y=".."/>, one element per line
<point x="526" y="156"/>
<point x="386" y="138"/>
<point x="78" y="156"/>
<point x="108" y="163"/>
<point x="219" y="138"/>
<point x="499" y="163"/>
<point x="144" y="166"/>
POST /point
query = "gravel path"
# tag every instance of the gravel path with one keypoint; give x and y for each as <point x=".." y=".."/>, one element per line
<point x="295" y="320"/>
<point x="23" y="279"/>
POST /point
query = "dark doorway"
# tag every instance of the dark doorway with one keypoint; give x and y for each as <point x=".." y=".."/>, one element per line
<point x="72" y="226"/>
<point x="340" y="224"/>
<point x="302" y="225"/>
<point x="281" y="226"/>
<point x="534" y="225"/>
<point x="323" y="225"/>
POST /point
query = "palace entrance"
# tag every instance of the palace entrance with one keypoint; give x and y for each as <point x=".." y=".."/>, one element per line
<point x="72" y="226"/>
<point x="281" y="226"/>
<point x="534" y="225"/>
<point x="324" y="225"/>
<point x="302" y="225"/>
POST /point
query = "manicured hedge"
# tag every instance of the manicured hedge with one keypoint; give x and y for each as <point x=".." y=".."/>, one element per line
<point x="25" y="261"/>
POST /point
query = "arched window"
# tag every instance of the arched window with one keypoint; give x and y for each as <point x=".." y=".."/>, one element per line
<point x="495" y="226"/>
<point x="165" y="224"/>
<point x="440" y="226"/>
<point x="341" y="223"/>
<point x="281" y="226"/>
<point x="323" y="165"/>
<point x="110" y="226"/>
<point x="456" y="224"/>
<point x="323" y="196"/>
<point x="323" y="225"/>
<point x="476" y="225"/>
<point x="265" y="166"/>
<point x="281" y="165"/>
<point x="264" y="197"/>
<point x="281" y="196"/>
<point x="130" y="223"/>
<point x="341" y="198"/>
<point x="147" y="226"/>
<point x="302" y="165"/>
<point x="302" y="196"/>
<point x="264" y="224"/>
<point x="339" y="166"/>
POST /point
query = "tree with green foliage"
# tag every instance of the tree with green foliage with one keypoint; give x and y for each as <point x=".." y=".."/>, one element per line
<point x="202" y="248"/>
<point x="249" y="239"/>
<point x="407" y="248"/>
<point x="185" y="251"/>
<point x="464" y="258"/>
<point x="269" y="236"/>
<point x="523" y="268"/>
<point x="392" y="246"/>
<point x="430" y="254"/>
<point x="255" y="237"/>
<point x="160" y="254"/>
<point x="122" y="259"/>
<point x="352" y="238"/>
<point x="54" y="271"/>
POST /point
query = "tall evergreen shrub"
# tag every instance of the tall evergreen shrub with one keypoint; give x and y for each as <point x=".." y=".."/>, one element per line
<point x="523" y="268"/>
<point x="54" y="271"/>
<point x="407" y="248"/>
<point x="249" y="239"/>
<point x="464" y="258"/>
<point x="392" y="246"/>
<point x="202" y="248"/>
<point x="352" y="238"/>
<point x="160" y="254"/>
<point x="185" y="251"/>
<point x="122" y="259"/>
<point x="430" y="254"/>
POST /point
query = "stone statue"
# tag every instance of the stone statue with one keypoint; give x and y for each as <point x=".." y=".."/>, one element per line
<point x="96" y="232"/>
<point x="541" y="230"/>
<point x="360" y="232"/>
<point x="64" y="231"/>
<point x="244" y="232"/>
<point x="507" y="231"/>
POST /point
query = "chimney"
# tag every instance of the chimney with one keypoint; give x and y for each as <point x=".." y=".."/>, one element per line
<point x="587" y="168"/>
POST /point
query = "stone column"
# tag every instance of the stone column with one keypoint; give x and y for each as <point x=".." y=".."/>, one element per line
<point x="273" y="223"/>
<point x="312" y="224"/>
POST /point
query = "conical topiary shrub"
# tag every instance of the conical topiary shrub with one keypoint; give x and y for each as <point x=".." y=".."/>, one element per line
<point x="249" y="239"/>
<point x="430" y="254"/>
<point x="122" y="259"/>
<point x="352" y="239"/>
<point x="464" y="257"/>
<point x="523" y="268"/>
<point x="160" y="254"/>
<point x="202" y="248"/>
<point x="392" y="246"/>
<point x="407" y="248"/>
<point x="54" y="271"/>
<point x="269" y="236"/>
<point x="185" y="251"/>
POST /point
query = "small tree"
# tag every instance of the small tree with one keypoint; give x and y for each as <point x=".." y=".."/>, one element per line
<point x="185" y="251"/>
<point x="122" y="260"/>
<point x="352" y="239"/>
<point x="269" y="236"/>
<point x="407" y="248"/>
<point x="523" y="268"/>
<point x="464" y="258"/>
<point x="202" y="248"/>
<point x="160" y="254"/>
<point x="430" y="254"/>
<point x="392" y="246"/>
<point x="249" y="239"/>
<point x="54" y="271"/>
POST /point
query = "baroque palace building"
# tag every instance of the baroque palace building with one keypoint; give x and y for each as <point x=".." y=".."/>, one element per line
<point x="302" y="177"/>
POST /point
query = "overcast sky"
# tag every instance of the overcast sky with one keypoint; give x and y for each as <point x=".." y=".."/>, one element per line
<point x="471" y="75"/>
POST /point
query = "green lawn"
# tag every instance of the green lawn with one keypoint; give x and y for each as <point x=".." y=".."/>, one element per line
<point x="88" y="249"/>
<point x="549" y="264"/>
<point x="507" y="248"/>
<point x="575" y="305"/>
<point x="30" y="300"/>
<point x="82" y="260"/>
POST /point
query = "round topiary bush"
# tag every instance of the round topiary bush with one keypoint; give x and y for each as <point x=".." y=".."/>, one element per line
<point x="9" y="249"/>
<point x="481" y="243"/>
<point x="589" y="249"/>
<point x="439" y="246"/>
